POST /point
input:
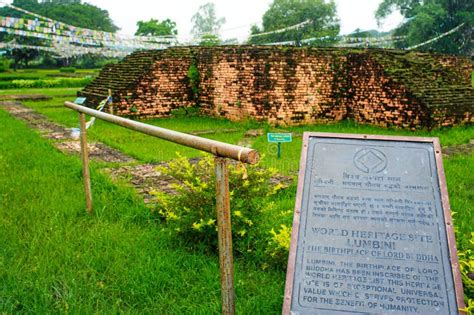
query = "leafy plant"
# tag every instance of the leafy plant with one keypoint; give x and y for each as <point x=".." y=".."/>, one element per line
<point x="191" y="214"/>
<point x="185" y="111"/>
<point x="209" y="40"/>
<point x="193" y="76"/>
<point x="67" y="70"/>
<point x="4" y="65"/>
<point x="156" y="28"/>
<point x="46" y="83"/>
<point x="279" y="244"/>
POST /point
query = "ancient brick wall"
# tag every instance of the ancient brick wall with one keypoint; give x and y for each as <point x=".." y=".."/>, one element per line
<point x="284" y="85"/>
<point x="374" y="98"/>
<point x="279" y="86"/>
<point x="159" y="91"/>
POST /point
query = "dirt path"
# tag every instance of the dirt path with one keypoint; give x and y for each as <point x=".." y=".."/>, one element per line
<point x="25" y="97"/>
<point x="464" y="149"/>
<point x="62" y="135"/>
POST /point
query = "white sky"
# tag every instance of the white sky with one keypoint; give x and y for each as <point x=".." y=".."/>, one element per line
<point x="239" y="14"/>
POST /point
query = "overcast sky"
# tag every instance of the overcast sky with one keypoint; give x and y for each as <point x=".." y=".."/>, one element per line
<point x="239" y="14"/>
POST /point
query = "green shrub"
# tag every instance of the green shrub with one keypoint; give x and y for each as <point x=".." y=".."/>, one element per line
<point x="191" y="214"/>
<point x="67" y="69"/>
<point x="209" y="40"/>
<point x="278" y="245"/>
<point x="4" y="65"/>
<point x="46" y="83"/>
<point x="466" y="264"/>
<point x="465" y="246"/>
<point x="193" y="76"/>
<point x="12" y="77"/>
<point x="185" y="111"/>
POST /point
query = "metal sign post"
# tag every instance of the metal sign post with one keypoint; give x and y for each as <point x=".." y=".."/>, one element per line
<point x="279" y="138"/>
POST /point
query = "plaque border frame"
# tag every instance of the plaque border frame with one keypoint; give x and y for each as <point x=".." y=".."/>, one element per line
<point x="449" y="228"/>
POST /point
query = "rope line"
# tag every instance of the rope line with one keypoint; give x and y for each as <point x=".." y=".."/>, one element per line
<point x="437" y="37"/>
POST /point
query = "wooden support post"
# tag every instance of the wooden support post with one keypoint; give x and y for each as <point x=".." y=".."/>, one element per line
<point x="226" y="260"/>
<point x="111" y="104"/>
<point x="85" y="163"/>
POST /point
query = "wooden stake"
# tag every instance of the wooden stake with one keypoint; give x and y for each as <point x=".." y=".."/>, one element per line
<point x="111" y="105"/>
<point x="226" y="259"/>
<point x="85" y="163"/>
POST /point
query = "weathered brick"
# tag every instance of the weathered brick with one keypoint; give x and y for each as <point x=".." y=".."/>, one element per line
<point x="294" y="85"/>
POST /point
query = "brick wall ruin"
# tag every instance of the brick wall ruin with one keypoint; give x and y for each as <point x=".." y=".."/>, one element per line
<point x="287" y="86"/>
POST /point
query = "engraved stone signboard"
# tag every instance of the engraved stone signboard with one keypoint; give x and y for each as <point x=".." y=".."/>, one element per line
<point x="372" y="232"/>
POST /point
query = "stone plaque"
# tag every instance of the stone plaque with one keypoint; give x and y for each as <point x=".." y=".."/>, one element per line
<point x="372" y="232"/>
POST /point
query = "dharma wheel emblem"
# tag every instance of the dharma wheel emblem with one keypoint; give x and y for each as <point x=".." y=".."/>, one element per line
<point x="371" y="161"/>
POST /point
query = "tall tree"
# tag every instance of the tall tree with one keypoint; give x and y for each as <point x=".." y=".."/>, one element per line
<point x="206" y="22"/>
<point x="156" y="28"/>
<point x="320" y="16"/>
<point x="71" y="12"/>
<point x="428" y="19"/>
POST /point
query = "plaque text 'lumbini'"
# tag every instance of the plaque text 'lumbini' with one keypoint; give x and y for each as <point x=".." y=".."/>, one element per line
<point x="371" y="231"/>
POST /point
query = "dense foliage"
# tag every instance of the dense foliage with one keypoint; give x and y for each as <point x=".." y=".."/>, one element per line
<point x="191" y="214"/>
<point x="45" y="83"/>
<point x="323" y="21"/>
<point x="425" y="20"/>
<point x="156" y="28"/>
<point x="71" y="12"/>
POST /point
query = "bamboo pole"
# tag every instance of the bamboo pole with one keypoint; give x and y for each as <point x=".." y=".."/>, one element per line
<point x="226" y="260"/>
<point x="111" y="104"/>
<point x="217" y="148"/>
<point x="85" y="163"/>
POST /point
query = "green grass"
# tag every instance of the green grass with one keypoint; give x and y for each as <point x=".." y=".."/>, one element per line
<point x="120" y="260"/>
<point x="289" y="162"/>
<point x="55" y="258"/>
<point x="460" y="182"/>
<point x="140" y="146"/>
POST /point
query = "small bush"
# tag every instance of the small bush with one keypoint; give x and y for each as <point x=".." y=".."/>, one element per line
<point x="193" y="76"/>
<point x="209" y="40"/>
<point x="46" y="83"/>
<point x="67" y="69"/>
<point x="185" y="111"/>
<point x="465" y="245"/>
<point x="4" y="65"/>
<point x="191" y="214"/>
<point x="279" y="244"/>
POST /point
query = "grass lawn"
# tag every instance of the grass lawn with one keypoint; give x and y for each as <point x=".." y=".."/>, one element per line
<point x="122" y="221"/>
<point x="55" y="258"/>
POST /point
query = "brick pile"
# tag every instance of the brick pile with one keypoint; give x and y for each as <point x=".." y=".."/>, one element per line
<point x="289" y="86"/>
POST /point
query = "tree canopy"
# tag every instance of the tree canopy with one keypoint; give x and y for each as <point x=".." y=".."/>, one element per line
<point x="205" y="21"/>
<point x="320" y="15"/>
<point x="428" y="19"/>
<point x="71" y="12"/>
<point x="156" y="28"/>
